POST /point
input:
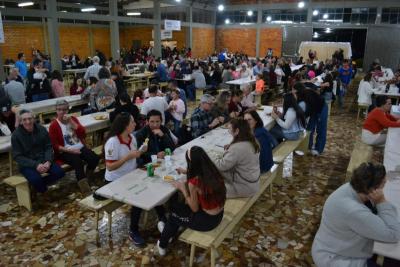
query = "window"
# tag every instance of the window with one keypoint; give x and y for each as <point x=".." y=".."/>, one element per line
<point x="358" y="15"/>
<point x="202" y="16"/>
<point x="390" y="15"/>
<point x="237" y="17"/>
<point x="289" y="16"/>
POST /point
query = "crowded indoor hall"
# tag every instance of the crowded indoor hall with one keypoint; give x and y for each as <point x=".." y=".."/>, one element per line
<point x="200" y="133"/>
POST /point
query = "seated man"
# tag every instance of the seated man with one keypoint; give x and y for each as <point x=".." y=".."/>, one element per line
<point x="32" y="150"/>
<point x="154" y="102"/>
<point x="68" y="139"/>
<point x="202" y="121"/>
<point x="15" y="90"/>
<point x="378" y="120"/>
<point x="159" y="137"/>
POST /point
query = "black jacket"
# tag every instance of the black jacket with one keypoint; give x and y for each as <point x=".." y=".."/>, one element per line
<point x="31" y="149"/>
<point x="129" y="108"/>
<point x="156" y="144"/>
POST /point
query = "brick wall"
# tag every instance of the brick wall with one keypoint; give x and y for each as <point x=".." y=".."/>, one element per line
<point x="101" y="40"/>
<point x="21" y="38"/>
<point x="271" y="38"/>
<point x="237" y="39"/>
<point x="74" y="38"/>
<point x="203" y="40"/>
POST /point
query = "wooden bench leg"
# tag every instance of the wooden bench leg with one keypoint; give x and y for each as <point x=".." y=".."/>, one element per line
<point x="270" y="190"/>
<point x="304" y="144"/>
<point x="24" y="196"/>
<point x="96" y="221"/>
<point x="279" y="175"/>
<point x="213" y="253"/>
<point x="192" y="251"/>
<point x="109" y="223"/>
<point x="10" y="162"/>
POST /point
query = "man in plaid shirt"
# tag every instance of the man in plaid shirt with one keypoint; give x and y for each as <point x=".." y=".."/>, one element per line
<point x="201" y="120"/>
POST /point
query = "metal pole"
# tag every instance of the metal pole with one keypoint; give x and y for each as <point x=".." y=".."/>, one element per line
<point x="259" y="22"/>
<point x="189" y="33"/>
<point x="157" y="29"/>
<point x="114" y="30"/>
<point x="54" y="36"/>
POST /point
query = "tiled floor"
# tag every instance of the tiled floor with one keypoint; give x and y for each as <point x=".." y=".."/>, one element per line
<point x="273" y="233"/>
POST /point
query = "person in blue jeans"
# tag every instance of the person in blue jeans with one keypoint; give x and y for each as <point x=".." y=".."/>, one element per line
<point x="33" y="152"/>
<point x="345" y="74"/>
<point x="316" y="110"/>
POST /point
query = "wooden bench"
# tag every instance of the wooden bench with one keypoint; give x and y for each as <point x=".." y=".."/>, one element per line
<point x="283" y="150"/>
<point x="361" y="153"/>
<point x="22" y="187"/>
<point x="99" y="206"/>
<point x="234" y="210"/>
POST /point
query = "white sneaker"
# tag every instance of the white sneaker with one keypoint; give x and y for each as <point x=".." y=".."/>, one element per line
<point x="160" y="226"/>
<point x="314" y="152"/>
<point x="161" y="251"/>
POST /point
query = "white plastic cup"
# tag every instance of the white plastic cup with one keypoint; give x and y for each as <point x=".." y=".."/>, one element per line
<point x="153" y="158"/>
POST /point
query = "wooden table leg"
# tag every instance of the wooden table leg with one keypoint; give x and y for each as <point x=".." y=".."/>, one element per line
<point x="10" y="162"/>
<point x="96" y="221"/>
<point x="192" y="251"/>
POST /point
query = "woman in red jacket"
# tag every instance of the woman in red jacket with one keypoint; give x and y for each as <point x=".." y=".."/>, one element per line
<point x="68" y="139"/>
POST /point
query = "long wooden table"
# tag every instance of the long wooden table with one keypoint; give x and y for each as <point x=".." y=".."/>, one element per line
<point x="137" y="189"/>
<point x="88" y="121"/>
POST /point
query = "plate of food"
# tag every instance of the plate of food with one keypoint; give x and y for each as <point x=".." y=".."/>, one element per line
<point x="100" y="117"/>
<point x="169" y="178"/>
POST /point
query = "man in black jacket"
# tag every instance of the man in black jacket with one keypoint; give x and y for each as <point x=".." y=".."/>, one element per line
<point x="33" y="152"/>
<point x="159" y="137"/>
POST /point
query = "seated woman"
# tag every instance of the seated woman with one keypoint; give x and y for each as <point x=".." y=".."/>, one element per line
<point x="365" y="91"/>
<point x="204" y="195"/>
<point x="76" y="87"/>
<point x="57" y="84"/>
<point x="378" y="120"/>
<point x="121" y="153"/>
<point x="220" y="108"/>
<point x="263" y="137"/>
<point x="240" y="164"/>
<point x="291" y="123"/>
<point x="235" y="107"/>
<point x="126" y="105"/>
<point x="354" y="216"/>
<point x="90" y="95"/>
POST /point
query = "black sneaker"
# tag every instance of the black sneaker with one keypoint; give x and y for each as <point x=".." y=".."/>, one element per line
<point x="137" y="239"/>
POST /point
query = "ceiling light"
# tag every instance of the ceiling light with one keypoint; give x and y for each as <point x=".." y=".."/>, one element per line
<point x="269" y="18"/>
<point x="301" y="4"/>
<point x="221" y="7"/>
<point x="133" y="13"/>
<point x="178" y="1"/>
<point x="24" y="4"/>
<point x="315" y="13"/>
<point x="2" y="6"/>
<point x="325" y="16"/>
<point x="88" y="9"/>
<point x="250" y="13"/>
<point x="328" y="30"/>
<point x="64" y="11"/>
<point x="227" y="21"/>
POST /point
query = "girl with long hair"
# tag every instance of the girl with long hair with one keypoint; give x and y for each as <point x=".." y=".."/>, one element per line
<point x="240" y="164"/>
<point x="221" y="106"/>
<point x="57" y="84"/>
<point x="204" y="194"/>
<point x="263" y="137"/>
<point x="289" y="124"/>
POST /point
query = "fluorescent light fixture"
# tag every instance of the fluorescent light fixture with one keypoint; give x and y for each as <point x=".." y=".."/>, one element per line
<point x="178" y="1"/>
<point x="331" y="20"/>
<point x="2" y="6"/>
<point x="315" y="13"/>
<point x="134" y="13"/>
<point x="246" y="23"/>
<point x="88" y="9"/>
<point x="301" y="4"/>
<point x="221" y="7"/>
<point x="227" y="21"/>
<point x="64" y="11"/>
<point x="24" y="4"/>
<point x="269" y="18"/>
<point x="325" y="16"/>
<point x="282" y="22"/>
<point x="250" y="13"/>
<point x="328" y="30"/>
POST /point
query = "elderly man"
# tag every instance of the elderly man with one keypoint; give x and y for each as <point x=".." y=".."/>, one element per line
<point x="248" y="97"/>
<point x="33" y="153"/>
<point x="15" y="89"/>
<point x="93" y="71"/>
<point x="202" y="121"/>
<point x="244" y="71"/>
<point x="14" y="73"/>
<point x="67" y="136"/>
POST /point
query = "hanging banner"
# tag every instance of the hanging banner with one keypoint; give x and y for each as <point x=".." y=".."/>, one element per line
<point x="172" y="25"/>
<point x="1" y="30"/>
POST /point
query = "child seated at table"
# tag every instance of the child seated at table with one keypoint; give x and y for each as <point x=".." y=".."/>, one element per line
<point x="259" y="84"/>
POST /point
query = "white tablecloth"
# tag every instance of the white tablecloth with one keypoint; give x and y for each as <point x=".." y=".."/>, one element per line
<point x="136" y="189"/>
<point x="49" y="105"/>
<point x="87" y="121"/>
<point x="242" y="81"/>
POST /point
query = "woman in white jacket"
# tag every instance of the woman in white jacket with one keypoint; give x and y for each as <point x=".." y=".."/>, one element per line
<point x="365" y="90"/>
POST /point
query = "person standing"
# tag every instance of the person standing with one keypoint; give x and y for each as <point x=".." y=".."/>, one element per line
<point x="21" y="65"/>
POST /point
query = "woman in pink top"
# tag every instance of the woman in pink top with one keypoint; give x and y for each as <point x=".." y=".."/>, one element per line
<point x="57" y="84"/>
<point x="177" y="109"/>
